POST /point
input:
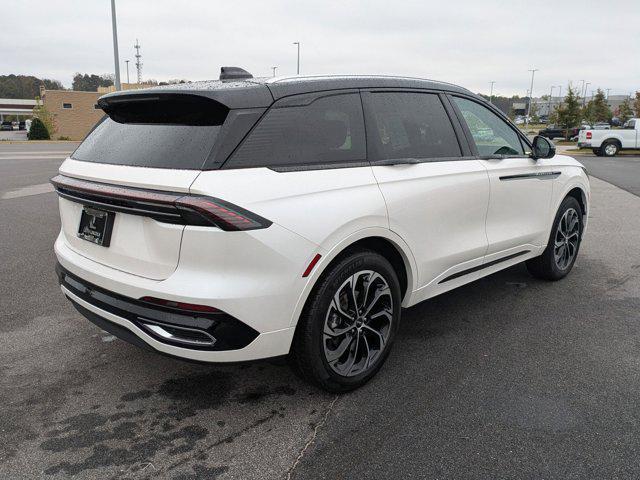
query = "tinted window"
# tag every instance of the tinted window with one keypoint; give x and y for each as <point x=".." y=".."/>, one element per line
<point x="160" y="146"/>
<point x="329" y="130"/>
<point x="492" y="135"/>
<point x="412" y="125"/>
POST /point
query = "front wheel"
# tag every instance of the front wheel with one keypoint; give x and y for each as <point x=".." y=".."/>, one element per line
<point x="558" y="258"/>
<point x="349" y="323"/>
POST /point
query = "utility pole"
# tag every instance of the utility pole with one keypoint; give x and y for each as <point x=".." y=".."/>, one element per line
<point x="138" y="62"/>
<point x="560" y="94"/>
<point x="491" y="93"/>
<point x="115" y="43"/>
<point x="274" y="70"/>
<point x="533" y="72"/>
<point x="127" y="62"/>
<point x="298" y="69"/>
<point x="582" y="88"/>
<point x="550" y="99"/>
<point x="608" y="90"/>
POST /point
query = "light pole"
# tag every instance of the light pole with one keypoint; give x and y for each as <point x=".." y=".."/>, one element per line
<point x="582" y="87"/>
<point x="550" y="100"/>
<point x="115" y="44"/>
<point x="491" y="93"/>
<point x="274" y="70"/>
<point x="298" y="69"/>
<point x="608" y="90"/>
<point x="560" y="94"/>
<point x="127" y="62"/>
<point x="533" y="72"/>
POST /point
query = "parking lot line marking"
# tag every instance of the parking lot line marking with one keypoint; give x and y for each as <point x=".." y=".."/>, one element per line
<point x="39" y="157"/>
<point x="36" y="152"/>
<point x="28" y="191"/>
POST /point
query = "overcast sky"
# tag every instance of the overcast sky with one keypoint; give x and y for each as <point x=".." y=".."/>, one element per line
<point x="467" y="42"/>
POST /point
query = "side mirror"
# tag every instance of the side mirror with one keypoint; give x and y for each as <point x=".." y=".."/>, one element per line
<point x="542" y="148"/>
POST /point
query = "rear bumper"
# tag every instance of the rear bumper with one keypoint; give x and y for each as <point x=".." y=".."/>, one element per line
<point x="584" y="144"/>
<point x="259" y="289"/>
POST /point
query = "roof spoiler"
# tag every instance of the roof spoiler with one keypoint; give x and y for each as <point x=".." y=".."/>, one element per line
<point x="234" y="73"/>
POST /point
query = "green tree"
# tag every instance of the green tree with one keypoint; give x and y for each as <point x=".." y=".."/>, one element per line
<point x="25" y="86"/>
<point x="40" y="112"/>
<point x="38" y="131"/>
<point x="90" y="83"/>
<point x="636" y="104"/>
<point x="624" y="111"/>
<point x="599" y="109"/>
<point x="567" y="115"/>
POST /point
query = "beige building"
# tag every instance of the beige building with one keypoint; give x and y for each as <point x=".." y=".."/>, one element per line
<point x="74" y="112"/>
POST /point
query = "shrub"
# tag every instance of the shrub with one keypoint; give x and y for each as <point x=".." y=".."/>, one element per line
<point x="38" y="131"/>
<point x="63" y="138"/>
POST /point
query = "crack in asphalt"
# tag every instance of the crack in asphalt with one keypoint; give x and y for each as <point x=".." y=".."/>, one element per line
<point x="313" y="437"/>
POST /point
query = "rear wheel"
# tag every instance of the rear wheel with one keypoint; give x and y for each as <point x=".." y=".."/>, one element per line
<point x="610" y="149"/>
<point x="558" y="258"/>
<point x="349" y="324"/>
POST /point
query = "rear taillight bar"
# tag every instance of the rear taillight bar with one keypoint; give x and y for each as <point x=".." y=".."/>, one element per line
<point x="168" y="207"/>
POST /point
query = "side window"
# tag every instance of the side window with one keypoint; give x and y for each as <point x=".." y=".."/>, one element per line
<point x="492" y="135"/>
<point x="631" y="125"/>
<point x="329" y="130"/>
<point x="412" y="125"/>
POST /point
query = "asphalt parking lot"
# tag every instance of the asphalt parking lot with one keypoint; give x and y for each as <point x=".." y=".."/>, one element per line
<point x="508" y="377"/>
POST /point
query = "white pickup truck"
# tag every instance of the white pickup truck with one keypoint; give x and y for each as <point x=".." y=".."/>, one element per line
<point x="609" y="142"/>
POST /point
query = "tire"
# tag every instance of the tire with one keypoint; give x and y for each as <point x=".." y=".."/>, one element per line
<point x="554" y="264"/>
<point x="597" y="152"/>
<point x="315" y="354"/>
<point x="610" y="148"/>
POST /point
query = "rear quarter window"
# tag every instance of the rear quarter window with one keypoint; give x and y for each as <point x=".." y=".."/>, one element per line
<point x="330" y="130"/>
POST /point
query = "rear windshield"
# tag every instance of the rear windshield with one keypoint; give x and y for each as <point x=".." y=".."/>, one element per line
<point x="154" y="130"/>
<point x="158" y="146"/>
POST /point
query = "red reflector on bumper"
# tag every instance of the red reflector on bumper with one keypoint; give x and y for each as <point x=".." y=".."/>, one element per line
<point x="191" y="307"/>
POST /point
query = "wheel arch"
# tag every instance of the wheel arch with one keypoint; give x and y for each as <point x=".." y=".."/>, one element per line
<point x="577" y="190"/>
<point x="385" y="242"/>
<point x="615" y="140"/>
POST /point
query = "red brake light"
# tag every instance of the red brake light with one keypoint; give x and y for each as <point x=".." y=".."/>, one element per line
<point x="589" y="134"/>
<point x="170" y="207"/>
<point x="191" y="307"/>
<point x="224" y="214"/>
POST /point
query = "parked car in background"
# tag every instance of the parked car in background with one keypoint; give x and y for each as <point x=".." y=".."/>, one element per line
<point x="6" y="126"/>
<point x="22" y="125"/>
<point x="544" y="119"/>
<point x="297" y="216"/>
<point x="602" y="126"/>
<point x="616" y="122"/>
<point x="608" y="143"/>
<point x="554" y="131"/>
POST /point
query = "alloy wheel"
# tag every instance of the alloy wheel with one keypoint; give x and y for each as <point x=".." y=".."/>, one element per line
<point x="358" y="323"/>
<point x="610" y="149"/>
<point x="566" y="239"/>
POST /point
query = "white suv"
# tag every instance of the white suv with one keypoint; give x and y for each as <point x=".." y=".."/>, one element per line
<point x="243" y="219"/>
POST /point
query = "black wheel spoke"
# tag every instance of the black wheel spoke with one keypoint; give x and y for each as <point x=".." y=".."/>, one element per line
<point x="358" y="323"/>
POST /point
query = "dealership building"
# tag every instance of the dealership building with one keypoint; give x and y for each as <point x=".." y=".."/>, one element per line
<point x="76" y="112"/>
